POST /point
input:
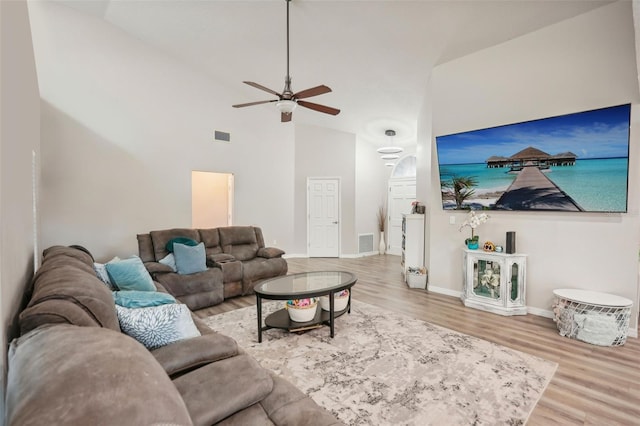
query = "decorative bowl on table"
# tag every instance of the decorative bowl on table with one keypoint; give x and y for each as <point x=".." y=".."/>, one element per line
<point x="302" y="310"/>
<point x="340" y="300"/>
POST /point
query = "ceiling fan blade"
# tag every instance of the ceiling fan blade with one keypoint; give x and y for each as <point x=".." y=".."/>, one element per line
<point x="314" y="91"/>
<point x="285" y="116"/>
<point x="261" y="87"/>
<point x="253" y="103"/>
<point x="319" y="108"/>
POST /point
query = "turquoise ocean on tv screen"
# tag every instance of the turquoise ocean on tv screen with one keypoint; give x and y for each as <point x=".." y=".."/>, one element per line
<point x="595" y="184"/>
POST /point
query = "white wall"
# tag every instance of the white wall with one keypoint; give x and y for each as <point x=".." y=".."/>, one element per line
<point x="580" y="64"/>
<point x="19" y="137"/>
<point x="322" y="152"/>
<point x="123" y="126"/>
<point x="372" y="177"/>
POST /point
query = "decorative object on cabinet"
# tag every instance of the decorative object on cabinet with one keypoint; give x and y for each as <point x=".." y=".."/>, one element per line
<point x="488" y="246"/>
<point x="473" y="221"/>
<point x="412" y="243"/>
<point x="593" y="317"/>
<point x="495" y="282"/>
<point x="511" y="242"/>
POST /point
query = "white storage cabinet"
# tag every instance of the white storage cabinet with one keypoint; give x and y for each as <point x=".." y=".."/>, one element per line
<point x="413" y="248"/>
<point x="494" y="282"/>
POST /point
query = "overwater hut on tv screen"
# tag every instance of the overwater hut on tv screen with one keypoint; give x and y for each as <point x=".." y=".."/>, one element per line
<point x="577" y="162"/>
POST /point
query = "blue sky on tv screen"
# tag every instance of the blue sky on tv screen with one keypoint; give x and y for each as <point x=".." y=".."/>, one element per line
<point x="602" y="133"/>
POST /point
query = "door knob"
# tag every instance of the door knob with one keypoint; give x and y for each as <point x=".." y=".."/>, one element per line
<point x="335" y="222"/>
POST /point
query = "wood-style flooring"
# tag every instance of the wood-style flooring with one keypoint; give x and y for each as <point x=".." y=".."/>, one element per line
<point x="592" y="386"/>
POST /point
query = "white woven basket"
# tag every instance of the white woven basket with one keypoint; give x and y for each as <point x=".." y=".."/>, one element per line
<point x="339" y="303"/>
<point x="302" y="313"/>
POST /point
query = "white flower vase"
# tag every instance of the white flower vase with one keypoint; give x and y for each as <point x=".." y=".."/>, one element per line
<point x="383" y="246"/>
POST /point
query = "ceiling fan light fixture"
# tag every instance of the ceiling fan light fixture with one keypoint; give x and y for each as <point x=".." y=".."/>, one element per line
<point x="389" y="164"/>
<point x="287" y="106"/>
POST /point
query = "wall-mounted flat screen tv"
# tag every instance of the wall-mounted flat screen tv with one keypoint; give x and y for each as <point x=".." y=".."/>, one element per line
<point x="575" y="163"/>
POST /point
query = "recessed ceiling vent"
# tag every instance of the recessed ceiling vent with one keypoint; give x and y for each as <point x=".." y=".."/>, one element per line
<point x="222" y="136"/>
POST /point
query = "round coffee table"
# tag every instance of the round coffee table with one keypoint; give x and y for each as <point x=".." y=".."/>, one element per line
<point x="302" y="286"/>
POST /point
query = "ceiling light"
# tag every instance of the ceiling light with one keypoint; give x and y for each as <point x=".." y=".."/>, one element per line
<point x="389" y="164"/>
<point x="390" y="156"/>
<point x="286" y="106"/>
<point x="390" y="149"/>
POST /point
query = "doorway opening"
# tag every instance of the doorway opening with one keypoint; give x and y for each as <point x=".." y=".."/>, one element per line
<point x="211" y="199"/>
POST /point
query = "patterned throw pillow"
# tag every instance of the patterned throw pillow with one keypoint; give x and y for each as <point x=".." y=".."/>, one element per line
<point x="158" y="325"/>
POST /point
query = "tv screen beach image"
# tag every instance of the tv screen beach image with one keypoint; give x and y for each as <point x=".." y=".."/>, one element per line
<point x="576" y="162"/>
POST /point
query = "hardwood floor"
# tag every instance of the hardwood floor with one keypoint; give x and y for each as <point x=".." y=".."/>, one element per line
<point x="593" y="385"/>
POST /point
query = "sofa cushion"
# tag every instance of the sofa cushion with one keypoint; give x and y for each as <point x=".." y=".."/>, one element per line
<point x="239" y="241"/>
<point x="185" y="355"/>
<point x="287" y="405"/>
<point x="240" y="382"/>
<point x="130" y="274"/>
<point x="55" y="311"/>
<point x="190" y="260"/>
<point x="157" y="326"/>
<point x="71" y="375"/>
<point x="161" y="238"/>
<point x="57" y="280"/>
<point x="211" y="240"/>
<point x="180" y="285"/>
<point x="142" y="299"/>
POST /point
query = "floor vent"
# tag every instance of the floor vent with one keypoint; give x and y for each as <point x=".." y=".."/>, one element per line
<point x="365" y="243"/>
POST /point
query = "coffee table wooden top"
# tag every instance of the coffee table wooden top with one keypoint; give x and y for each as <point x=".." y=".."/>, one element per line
<point x="305" y="284"/>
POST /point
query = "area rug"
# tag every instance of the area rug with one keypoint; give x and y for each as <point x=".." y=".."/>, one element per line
<point x="383" y="368"/>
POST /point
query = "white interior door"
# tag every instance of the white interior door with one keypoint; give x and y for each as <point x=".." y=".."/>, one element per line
<point x="402" y="192"/>
<point x="323" y="204"/>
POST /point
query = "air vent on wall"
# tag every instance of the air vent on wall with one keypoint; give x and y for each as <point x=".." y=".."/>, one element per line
<point x="222" y="136"/>
<point x="365" y="243"/>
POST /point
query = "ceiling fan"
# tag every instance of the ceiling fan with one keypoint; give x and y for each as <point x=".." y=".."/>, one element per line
<point x="287" y="100"/>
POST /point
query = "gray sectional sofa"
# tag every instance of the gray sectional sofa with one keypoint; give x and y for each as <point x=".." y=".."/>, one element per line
<point x="72" y="365"/>
<point x="236" y="257"/>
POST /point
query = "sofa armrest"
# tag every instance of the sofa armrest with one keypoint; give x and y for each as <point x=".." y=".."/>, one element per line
<point x="155" y="267"/>
<point x="270" y="252"/>
<point x="186" y="355"/>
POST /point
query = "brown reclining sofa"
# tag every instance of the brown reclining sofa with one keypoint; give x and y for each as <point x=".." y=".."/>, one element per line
<point x="72" y="365"/>
<point x="236" y="258"/>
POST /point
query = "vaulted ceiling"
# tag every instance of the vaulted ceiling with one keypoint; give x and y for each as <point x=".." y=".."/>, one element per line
<point x="376" y="55"/>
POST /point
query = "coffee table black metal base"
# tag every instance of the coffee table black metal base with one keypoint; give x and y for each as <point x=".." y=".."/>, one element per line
<point x="280" y="319"/>
<point x="300" y="286"/>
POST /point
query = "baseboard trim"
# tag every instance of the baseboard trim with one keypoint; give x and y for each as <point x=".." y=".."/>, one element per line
<point x="445" y="291"/>
<point x="448" y="292"/>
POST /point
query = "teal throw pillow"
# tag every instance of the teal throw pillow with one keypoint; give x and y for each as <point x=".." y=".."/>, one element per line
<point x="142" y="299"/>
<point x="190" y="260"/>
<point x="157" y="325"/>
<point x="130" y="274"/>
<point x="180" y="240"/>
